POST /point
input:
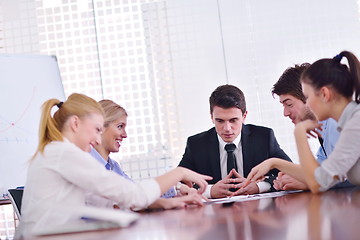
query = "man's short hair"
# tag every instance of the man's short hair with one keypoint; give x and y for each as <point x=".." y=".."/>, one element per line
<point x="289" y="82"/>
<point x="227" y="96"/>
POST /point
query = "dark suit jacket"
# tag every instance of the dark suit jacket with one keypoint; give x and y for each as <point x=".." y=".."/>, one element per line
<point x="258" y="144"/>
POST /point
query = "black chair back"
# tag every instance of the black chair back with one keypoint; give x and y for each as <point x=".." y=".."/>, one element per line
<point x="16" y="200"/>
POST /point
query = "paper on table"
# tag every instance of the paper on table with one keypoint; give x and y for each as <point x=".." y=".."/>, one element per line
<point x="98" y="218"/>
<point x="242" y="198"/>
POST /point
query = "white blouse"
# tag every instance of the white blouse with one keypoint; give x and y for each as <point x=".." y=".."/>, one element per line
<point x="344" y="161"/>
<point x="58" y="180"/>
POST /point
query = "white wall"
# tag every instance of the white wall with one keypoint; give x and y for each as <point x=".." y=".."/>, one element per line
<point x="249" y="44"/>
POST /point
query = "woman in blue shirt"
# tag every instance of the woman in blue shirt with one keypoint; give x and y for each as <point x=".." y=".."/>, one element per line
<point x="111" y="140"/>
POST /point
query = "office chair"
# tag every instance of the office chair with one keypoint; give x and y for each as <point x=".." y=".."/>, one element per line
<point x="15" y="196"/>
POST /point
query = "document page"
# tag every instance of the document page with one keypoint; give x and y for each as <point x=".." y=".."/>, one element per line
<point x="242" y="198"/>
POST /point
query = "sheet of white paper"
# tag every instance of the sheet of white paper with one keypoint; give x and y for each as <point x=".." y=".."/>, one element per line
<point x="242" y="198"/>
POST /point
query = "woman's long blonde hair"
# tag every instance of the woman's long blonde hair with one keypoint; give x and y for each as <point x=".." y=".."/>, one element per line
<point x="51" y="127"/>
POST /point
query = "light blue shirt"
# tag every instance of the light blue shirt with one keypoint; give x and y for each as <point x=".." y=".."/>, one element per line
<point x="114" y="166"/>
<point x="330" y="134"/>
<point x="109" y="164"/>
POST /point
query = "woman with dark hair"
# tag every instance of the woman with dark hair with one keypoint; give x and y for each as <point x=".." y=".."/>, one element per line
<point x="332" y="90"/>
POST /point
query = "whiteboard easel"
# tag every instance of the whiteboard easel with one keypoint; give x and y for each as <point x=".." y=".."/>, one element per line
<point x="26" y="82"/>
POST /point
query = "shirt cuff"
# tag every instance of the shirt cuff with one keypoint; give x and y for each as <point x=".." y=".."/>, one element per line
<point x="151" y="190"/>
<point x="263" y="186"/>
<point x="324" y="179"/>
<point x="207" y="192"/>
<point x="170" y="193"/>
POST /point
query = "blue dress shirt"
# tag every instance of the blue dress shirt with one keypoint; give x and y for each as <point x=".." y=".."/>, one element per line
<point x="109" y="164"/>
<point x="330" y="134"/>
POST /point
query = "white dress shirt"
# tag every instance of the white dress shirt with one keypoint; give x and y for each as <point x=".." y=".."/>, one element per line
<point x="58" y="179"/>
<point x="223" y="156"/>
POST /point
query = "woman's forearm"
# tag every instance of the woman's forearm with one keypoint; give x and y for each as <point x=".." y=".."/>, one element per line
<point x="307" y="161"/>
<point x="169" y="179"/>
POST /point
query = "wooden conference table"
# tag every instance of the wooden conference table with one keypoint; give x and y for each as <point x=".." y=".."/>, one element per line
<point x="331" y="215"/>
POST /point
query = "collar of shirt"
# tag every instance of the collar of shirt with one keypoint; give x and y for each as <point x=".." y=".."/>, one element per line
<point x="222" y="143"/>
<point x="346" y="114"/>
<point x="100" y="159"/>
<point x="114" y="166"/>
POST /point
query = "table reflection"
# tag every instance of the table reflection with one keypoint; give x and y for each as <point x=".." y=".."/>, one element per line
<point x="330" y="215"/>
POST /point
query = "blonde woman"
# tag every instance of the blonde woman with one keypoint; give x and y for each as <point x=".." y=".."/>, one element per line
<point x="113" y="134"/>
<point x="62" y="171"/>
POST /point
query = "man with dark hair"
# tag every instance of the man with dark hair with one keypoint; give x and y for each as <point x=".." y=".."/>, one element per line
<point x="289" y="90"/>
<point x="231" y="149"/>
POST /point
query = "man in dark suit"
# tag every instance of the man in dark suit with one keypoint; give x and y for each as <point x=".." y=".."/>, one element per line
<point x="231" y="149"/>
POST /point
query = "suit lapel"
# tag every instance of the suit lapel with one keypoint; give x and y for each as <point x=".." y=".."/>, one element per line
<point x="247" y="149"/>
<point x="214" y="155"/>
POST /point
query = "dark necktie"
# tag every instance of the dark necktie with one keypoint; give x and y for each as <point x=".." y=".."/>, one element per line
<point x="321" y="141"/>
<point x="231" y="163"/>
